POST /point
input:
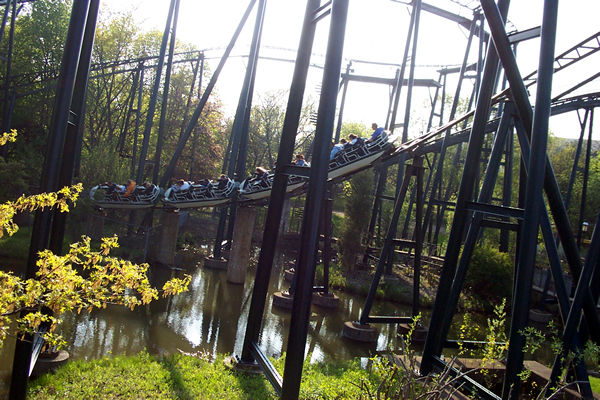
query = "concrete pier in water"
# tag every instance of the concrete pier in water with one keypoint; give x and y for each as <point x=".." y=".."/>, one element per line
<point x="241" y="243"/>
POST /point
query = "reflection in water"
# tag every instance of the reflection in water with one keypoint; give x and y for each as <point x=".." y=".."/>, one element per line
<point x="212" y="317"/>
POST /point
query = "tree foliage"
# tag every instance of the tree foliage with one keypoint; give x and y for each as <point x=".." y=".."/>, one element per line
<point x="357" y="210"/>
<point x="82" y="279"/>
<point x="110" y="138"/>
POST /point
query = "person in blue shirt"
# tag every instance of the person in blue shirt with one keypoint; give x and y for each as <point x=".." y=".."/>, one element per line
<point x="336" y="148"/>
<point x="300" y="161"/>
<point x="376" y="132"/>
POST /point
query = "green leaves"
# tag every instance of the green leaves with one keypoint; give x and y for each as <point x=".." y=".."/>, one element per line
<point x="82" y="279"/>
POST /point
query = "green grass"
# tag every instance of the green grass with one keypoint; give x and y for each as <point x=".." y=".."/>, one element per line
<point x="185" y="377"/>
<point x="595" y="382"/>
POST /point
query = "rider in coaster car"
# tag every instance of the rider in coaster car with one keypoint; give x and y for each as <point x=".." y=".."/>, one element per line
<point x="300" y="161"/>
<point x="260" y="176"/>
<point x="376" y="132"/>
<point x="129" y="187"/>
<point x="222" y="182"/>
<point x="180" y="185"/>
<point x="148" y="188"/>
<point x="337" y="148"/>
<point x="354" y="142"/>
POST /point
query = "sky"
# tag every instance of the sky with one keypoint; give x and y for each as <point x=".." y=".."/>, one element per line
<point x="376" y="31"/>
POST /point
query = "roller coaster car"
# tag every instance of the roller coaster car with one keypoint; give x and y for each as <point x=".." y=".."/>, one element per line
<point x="358" y="156"/>
<point x="201" y="195"/>
<point x="256" y="189"/>
<point x="351" y="159"/>
<point x="141" y="197"/>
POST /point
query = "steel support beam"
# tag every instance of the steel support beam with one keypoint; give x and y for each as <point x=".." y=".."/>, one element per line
<point x="165" y="94"/>
<point x="51" y="173"/>
<point x="202" y="103"/>
<point x="315" y="195"/>
<point x="434" y="341"/>
<point x="274" y="212"/>
<point x="154" y="95"/>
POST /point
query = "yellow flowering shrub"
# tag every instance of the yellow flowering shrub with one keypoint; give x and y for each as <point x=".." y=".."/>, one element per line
<point x="81" y="280"/>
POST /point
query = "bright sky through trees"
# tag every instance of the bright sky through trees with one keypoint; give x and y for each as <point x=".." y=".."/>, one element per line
<point x="376" y="31"/>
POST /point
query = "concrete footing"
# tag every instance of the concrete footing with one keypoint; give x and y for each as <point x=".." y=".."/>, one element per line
<point x="49" y="362"/>
<point x="164" y="251"/>
<point x="283" y="300"/>
<point x="419" y="334"/>
<point x="288" y="274"/>
<point x="539" y="316"/>
<point x="360" y="333"/>
<point x="325" y="300"/>
<point x="213" y="263"/>
<point x="240" y="244"/>
<point x="246" y="368"/>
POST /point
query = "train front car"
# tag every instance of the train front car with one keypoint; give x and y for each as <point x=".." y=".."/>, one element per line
<point x="105" y="196"/>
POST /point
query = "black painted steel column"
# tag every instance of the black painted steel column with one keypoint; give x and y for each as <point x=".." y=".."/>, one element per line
<point x="388" y="246"/>
<point x="411" y="79"/>
<point x="248" y="91"/>
<point x="75" y="127"/>
<point x="418" y="163"/>
<point x="345" y="83"/>
<point x="377" y="204"/>
<point x="6" y="116"/>
<point x="485" y="196"/>
<point x="437" y="181"/>
<point x="165" y="96"/>
<point x="50" y="174"/>
<point x="507" y="188"/>
<point x="533" y="196"/>
<point x="557" y="207"/>
<point x="130" y="102"/>
<point x="138" y="119"/>
<point x="556" y="271"/>
<point x="314" y="199"/>
<point x="434" y="341"/>
<point x="204" y="99"/>
<point x="570" y="330"/>
<point x="286" y="152"/>
<point x="4" y="18"/>
<point x="586" y="174"/>
<point x="154" y="95"/>
<point x="240" y="130"/>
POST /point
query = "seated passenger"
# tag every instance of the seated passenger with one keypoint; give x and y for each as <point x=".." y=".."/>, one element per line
<point x="336" y="148"/>
<point x="222" y="182"/>
<point x="300" y="161"/>
<point x="376" y="132"/>
<point x="180" y="185"/>
<point x="203" y="183"/>
<point x="113" y="190"/>
<point x="110" y="187"/>
<point x="353" y="142"/>
<point x="260" y="175"/>
<point x="147" y="188"/>
<point x="130" y="186"/>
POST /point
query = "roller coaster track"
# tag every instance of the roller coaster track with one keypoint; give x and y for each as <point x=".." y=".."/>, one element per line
<point x="432" y="141"/>
<point x="580" y="51"/>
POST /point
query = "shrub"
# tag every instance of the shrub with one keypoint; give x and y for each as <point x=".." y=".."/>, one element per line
<point x="489" y="276"/>
<point x="357" y="210"/>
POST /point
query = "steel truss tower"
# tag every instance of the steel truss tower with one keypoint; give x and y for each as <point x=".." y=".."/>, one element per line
<point x="473" y="212"/>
